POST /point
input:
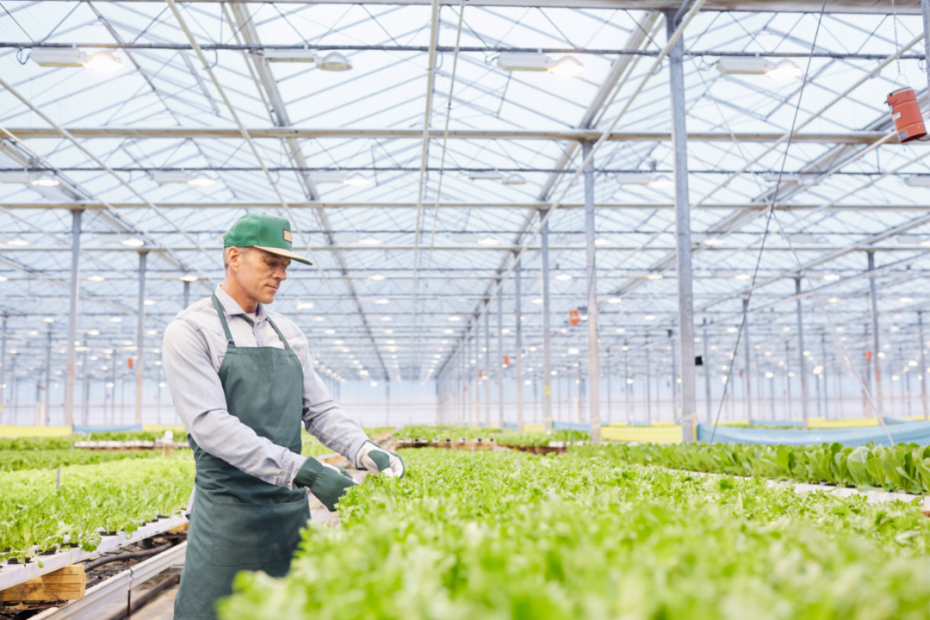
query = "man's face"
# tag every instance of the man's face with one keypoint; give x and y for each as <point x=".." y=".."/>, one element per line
<point x="259" y="273"/>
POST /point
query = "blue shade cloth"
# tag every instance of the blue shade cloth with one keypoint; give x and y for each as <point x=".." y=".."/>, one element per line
<point x="510" y="426"/>
<point x="79" y="429"/>
<point x="890" y="420"/>
<point x="570" y="426"/>
<point x="776" y="422"/>
<point x="912" y="432"/>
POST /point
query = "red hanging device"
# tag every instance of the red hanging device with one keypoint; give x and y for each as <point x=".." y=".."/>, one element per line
<point x="905" y="112"/>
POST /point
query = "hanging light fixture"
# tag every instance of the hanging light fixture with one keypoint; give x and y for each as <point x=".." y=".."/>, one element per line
<point x="567" y="66"/>
<point x="514" y="179"/>
<point x="334" y="61"/>
<point x="357" y="179"/>
<point x="783" y="70"/>
<point x="104" y="62"/>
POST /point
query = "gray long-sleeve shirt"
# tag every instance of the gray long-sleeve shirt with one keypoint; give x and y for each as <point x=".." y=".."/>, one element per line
<point x="193" y="349"/>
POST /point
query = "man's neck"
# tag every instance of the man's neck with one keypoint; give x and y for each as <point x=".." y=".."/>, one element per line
<point x="232" y="288"/>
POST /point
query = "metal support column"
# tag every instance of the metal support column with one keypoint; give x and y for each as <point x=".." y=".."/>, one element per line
<point x="676" y="412"/>
<point x="648" y="388"/>
<point x="875" y="340"/>
<point x="826" y="383"/>
<point x="925" y="9"/>
<point x="3" y="368"/>
<point x="499" y="365"/>
<point x="477" y="373"/>
<point x="519" y="346"/>
<point x="487" y="365"/>
<point x="628" y="387"/>
<point x="682" y="229"/>
<point x="547" y="335"/>
<point x="920" y="318"/>
<point x="594" y="369"/>
<point x="706" y="360"/>
<point x="187" y="294"/>
<point x="140" y="337"/>
<point x="469" y="383"/>
<point x="746" y="366"/>
<point x="48" y="379"/>
<point x="72" y="314"/>
<point x="867" y="388"/>
<point x="85" y="391"/>
<point x="802" y="368"/>
<point x="607" y="376"/>
<point x="788" y="380"/>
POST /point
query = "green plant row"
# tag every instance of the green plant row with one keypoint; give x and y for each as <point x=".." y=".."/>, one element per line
<point x="112" y="497"/>
<point x="19" y="460"/>
<point x="500" y="535"/>
<point x="542" y="439"/>
<point x="904" y="467"/>
<point x="442" y="433"/>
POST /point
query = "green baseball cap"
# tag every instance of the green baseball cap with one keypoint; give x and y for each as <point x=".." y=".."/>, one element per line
<point x="265" y="232"/>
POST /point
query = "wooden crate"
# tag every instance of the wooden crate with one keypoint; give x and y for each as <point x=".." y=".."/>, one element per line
<point x="65" y="584"/>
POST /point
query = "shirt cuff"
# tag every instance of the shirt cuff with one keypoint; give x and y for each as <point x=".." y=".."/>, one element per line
<point x="290" y="469"/>
<point x="354" y="446"/>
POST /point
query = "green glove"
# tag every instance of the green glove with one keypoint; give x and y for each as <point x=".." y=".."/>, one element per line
<point x="327" y="482"/>
<point x="377" y="460"/>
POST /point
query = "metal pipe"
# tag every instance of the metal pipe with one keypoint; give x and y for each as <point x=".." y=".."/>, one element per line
<point x="920" y="329"/>
<point x="72" y="314"/>
<point x="140" y="337"/>
<point x="607" y="376"/>
<point x="826" y="383"/>
<point x="591" y="277"/>
<point x="676" y="411"/>
<point x="500" y="361"/>
<point x="746" y="366"/>
<point x="3" y="369"/>
<point x="487" y="368"/>
<point x="706" y="360"/>
<point x="925" y="11"/>
<point x="48" y="379"/>
<point x="875" y="338"/>
<point x="648" y="388"/>
<point x="805" y="413"/>
<point x="867" y="388"/>
<point x="682" y="227"/>
<point x="187" y="294"/>
<point x="519" y="344"/>
<point x="627" y="387"/>
<point x="85" y="391"/>
<point x="546" y="327"/>
<point x="788" y="380"/>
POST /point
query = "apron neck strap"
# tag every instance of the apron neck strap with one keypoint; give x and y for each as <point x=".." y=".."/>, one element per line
<point x="219" y="311"/>
<point x="229" y="338"/>
<point x="280" y="335"/>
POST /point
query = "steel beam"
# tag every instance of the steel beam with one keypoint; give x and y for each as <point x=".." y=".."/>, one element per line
<point x="746" y="362"/>
<point x="3" y="371"/>
<point x="591" y="283"/>
<point x="500" y="361"/>
<point x="876" y="349"/>
<point x="48" y="380"/>
<point x="706" y="360"/>
<point x="802" y="362"/>
<point x="682" y="229"/>
<point x="546" y="327"/>
<point x="487" y="367"/>
<point x="73" y="298"/>
<point x="923" y="361"/>
<point x="573" y="135"/>
<point x="140" y="337"/>
<point x="518" y="315"/>
<point x="868" y="7"/>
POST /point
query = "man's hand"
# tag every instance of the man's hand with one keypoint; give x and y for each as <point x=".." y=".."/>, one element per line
<point x="327" y="482"/>
<point x="376" y="460"/>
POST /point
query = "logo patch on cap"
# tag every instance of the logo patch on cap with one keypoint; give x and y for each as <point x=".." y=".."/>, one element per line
<point x="287" y="235"/>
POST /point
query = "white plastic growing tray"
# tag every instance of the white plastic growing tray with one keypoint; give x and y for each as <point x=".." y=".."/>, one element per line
<point x="15" y="574"/>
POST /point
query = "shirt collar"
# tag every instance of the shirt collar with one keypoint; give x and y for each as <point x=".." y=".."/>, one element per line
<point x="232" y="308"/>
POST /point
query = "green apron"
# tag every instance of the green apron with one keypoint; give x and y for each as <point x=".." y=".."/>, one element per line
<point x="239" y="522"/>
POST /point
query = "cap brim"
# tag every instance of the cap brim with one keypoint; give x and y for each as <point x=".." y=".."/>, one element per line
<point x="282" y="252"/>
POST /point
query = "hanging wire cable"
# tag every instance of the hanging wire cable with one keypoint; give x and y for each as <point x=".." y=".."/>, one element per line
<point x="768" y="221"/>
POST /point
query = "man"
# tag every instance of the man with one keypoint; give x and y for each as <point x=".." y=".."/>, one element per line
<point x="242" y="381"/>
